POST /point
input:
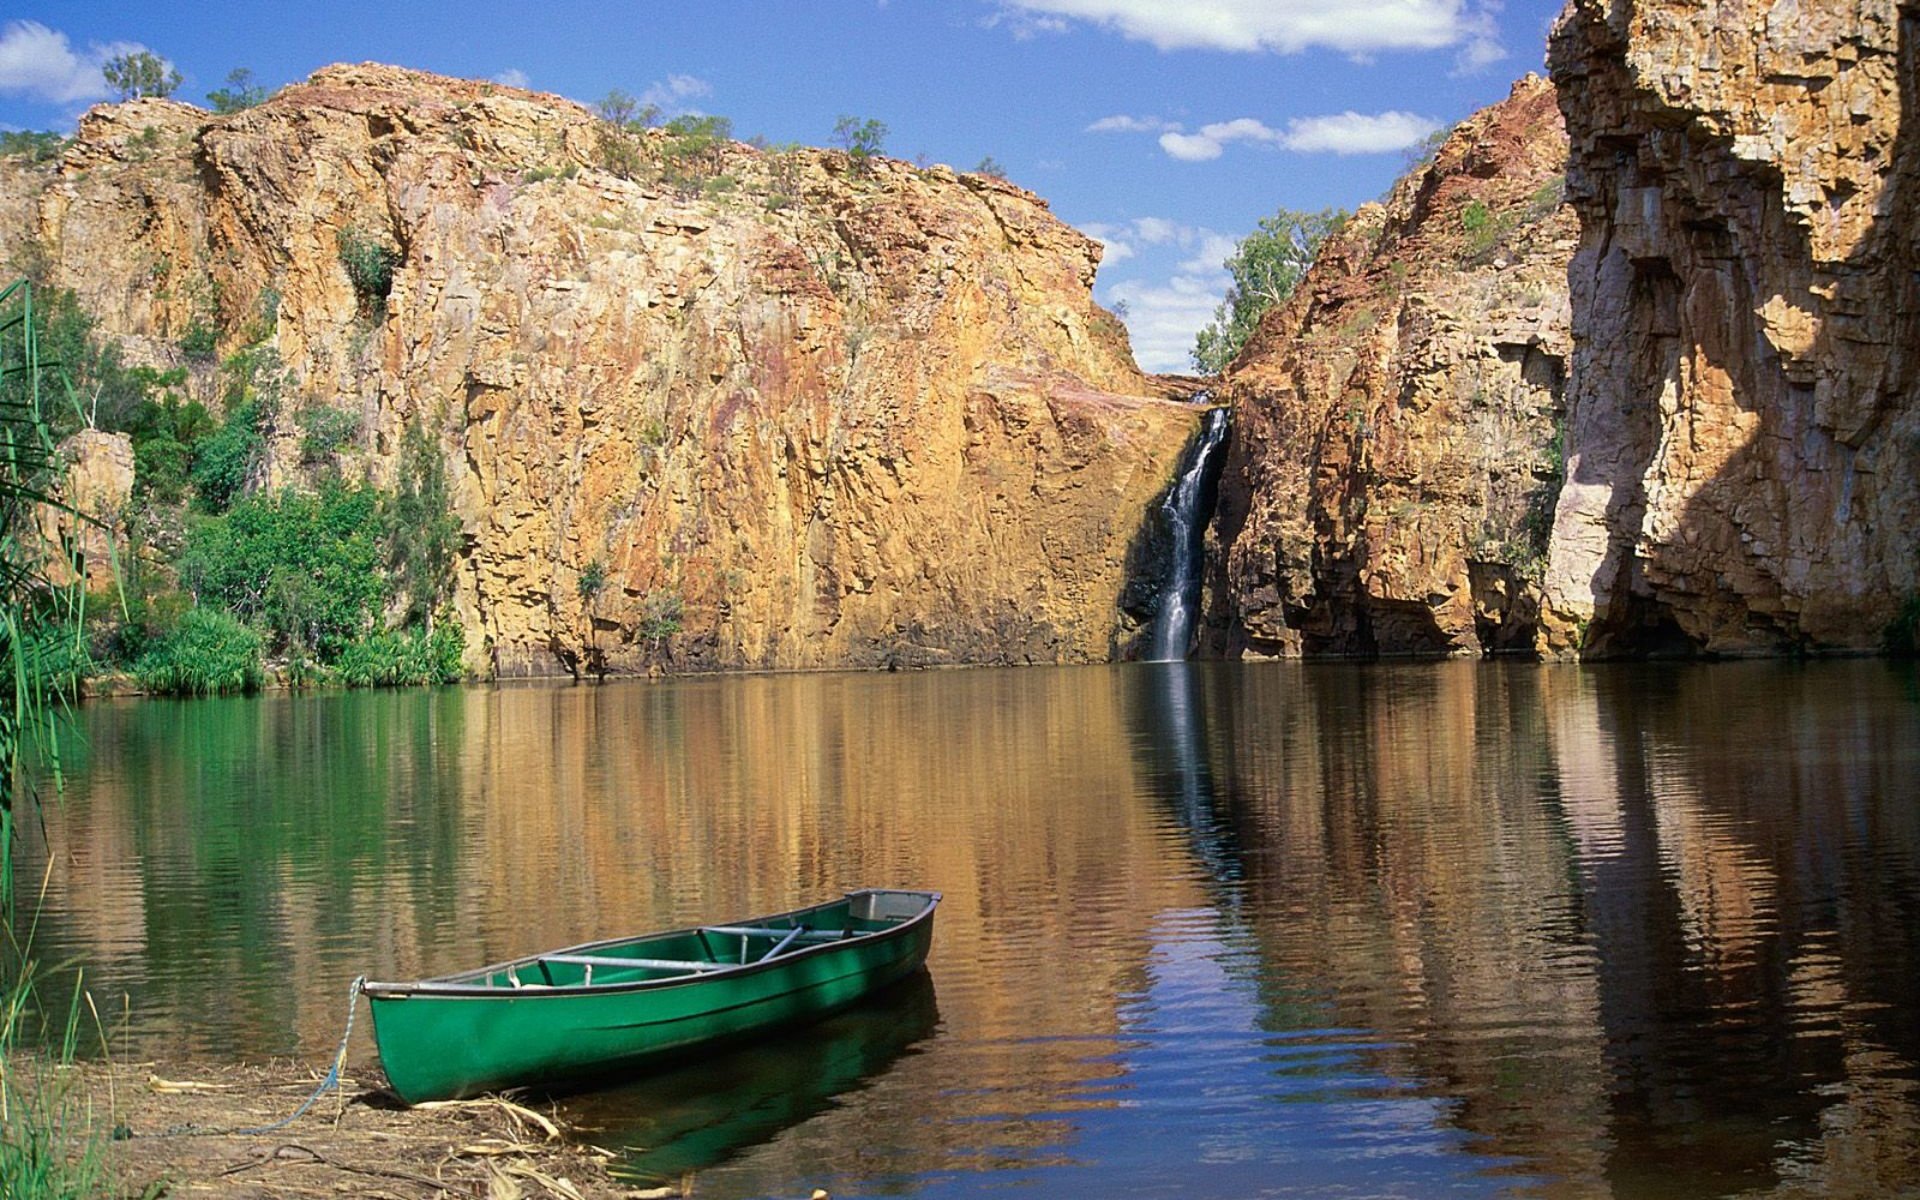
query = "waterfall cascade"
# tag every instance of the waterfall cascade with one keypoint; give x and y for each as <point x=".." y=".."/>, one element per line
<point x="1188" y="507"/>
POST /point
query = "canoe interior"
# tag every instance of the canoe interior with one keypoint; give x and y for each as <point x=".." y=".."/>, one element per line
<point x="690" y="953"/>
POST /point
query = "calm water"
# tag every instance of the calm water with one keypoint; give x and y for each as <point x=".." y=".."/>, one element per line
<point x="1261" y="930"/>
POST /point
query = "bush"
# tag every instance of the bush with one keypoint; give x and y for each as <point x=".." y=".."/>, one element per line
<point x="324" y="430"/>
<point x="225" y="459"/>
<point x="201" y="341"/>
<point x="304" y="567"/>
<point x="240" y="93"/>
<point x="861" y="140"/>
<point x="403" y="659"/>
<point x="208" y="654"/>
<point x="34" y="145"/>
<point x="369" y="263"/>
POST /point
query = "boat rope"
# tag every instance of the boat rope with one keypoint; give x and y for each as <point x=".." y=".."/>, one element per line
<point x="327" y="1084"/>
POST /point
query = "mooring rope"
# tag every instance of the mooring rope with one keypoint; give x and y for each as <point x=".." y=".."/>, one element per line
<point x="327" y="1084"/>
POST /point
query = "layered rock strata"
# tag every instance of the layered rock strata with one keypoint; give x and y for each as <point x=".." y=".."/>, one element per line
<point x="1395" y="451"/>
<point x="1743" y="415"/>
<point x="803" y="410"/>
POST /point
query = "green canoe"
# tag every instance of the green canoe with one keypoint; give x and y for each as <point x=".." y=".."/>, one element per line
<point x="606" y="1007"/>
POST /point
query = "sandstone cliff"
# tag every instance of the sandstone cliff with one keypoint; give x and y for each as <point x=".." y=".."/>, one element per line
<point x="1395" y="451"/>
<point x="1743" y="417"/>
<point x="811" y="411"/>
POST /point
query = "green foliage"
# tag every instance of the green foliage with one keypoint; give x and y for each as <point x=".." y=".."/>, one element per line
<point x="164" y="432"/>
<point x="369" y="263"/>
<point x="208" y="653"/>
<point x="862" y="140"/>
<point x="694" y="150"/>
<point x="305" y="567"/>
<point x="38" y="622"/>
<point x="660" y="615"/>
<point x="201" y="341"/>
<point x="1546" y="199"/>
<point x="403" y="659"/>
<point x="617" y="139"/>
<point x="324" y="429"/>
<point x="34" y="145"/>
<point x="592" y="581"/>
<point x="1266" y="267"/>
<point x="49" y="1146"/>
<point x="419" y="535"/>
<point x="141" y="73"/>
<point x="240" y="93"/>
<point x="1475" y="217"/>
<point x="226" y="459"/>
<point x="990" y="166"/>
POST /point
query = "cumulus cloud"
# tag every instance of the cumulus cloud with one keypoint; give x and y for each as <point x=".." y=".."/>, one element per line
<point x="513" y="77"/>
<point x="1121" y="123"/>
<point x="1342" y="133"/>
<point x="1164" y="314"/>
<point x="1354" y="27"/>
<point x="1357" y="133"/>
<point x="41" y="63"/>
<point x="676" y="93"/>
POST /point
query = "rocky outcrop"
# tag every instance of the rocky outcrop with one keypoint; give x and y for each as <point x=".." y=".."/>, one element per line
<point x="81" y="534"/>
<point x="803" y="411"/>
<point x="1395" y="450"/>
<point x="1743" y="413"/>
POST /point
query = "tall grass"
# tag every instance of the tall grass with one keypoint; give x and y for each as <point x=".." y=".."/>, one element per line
<point x="49" y="1147"/>
<point x="50" y="1143"/>
<point x="208" y="654"/>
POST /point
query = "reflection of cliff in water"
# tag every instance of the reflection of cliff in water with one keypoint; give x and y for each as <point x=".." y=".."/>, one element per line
<point x="1639" y="943"/>
<point x="702" y="1114"/>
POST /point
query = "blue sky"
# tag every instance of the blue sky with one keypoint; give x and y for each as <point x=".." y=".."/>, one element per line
<point x="1165" y="127"/>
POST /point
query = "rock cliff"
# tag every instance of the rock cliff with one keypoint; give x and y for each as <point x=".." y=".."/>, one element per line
<point x="1395" y="453"/>
<point x="803" y="410"/>
<point x="1743" y="415"/>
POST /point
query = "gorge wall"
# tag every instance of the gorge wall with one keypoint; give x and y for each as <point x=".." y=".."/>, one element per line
<point x="828" y="412"/>
<point x="1743" y="417"/>
<point x="1395" y="459"/>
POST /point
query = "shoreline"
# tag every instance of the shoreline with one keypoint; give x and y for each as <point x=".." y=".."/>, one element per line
<point x="357" y="1140"/>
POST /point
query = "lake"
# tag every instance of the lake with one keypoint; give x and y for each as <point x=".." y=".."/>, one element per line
<point x="1210" y="929"/>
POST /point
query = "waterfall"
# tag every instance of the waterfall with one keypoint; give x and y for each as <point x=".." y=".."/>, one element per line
<point x="1188" y="506"/>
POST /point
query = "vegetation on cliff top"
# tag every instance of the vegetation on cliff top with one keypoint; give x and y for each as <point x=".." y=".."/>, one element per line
<point x="1266" y="267"/>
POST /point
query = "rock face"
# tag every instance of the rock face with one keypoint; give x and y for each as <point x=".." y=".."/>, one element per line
<point x="812" y="412"/>
<point x="82" y="534"/>
<point x="1395" y="457"/>
<point x="1743" y="414"/>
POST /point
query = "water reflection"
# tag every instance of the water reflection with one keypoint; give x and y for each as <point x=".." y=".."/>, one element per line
<point x="1256" y="929"/>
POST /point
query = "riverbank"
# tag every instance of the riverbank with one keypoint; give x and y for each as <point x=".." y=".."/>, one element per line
<point x="165" y="1122"/>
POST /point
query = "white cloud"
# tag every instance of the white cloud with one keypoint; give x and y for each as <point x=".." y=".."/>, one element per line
<point x="1163" y="318"/>
<point x="513" y="77"/>
<point x="673" y="96"/>
<point x="1357" y="133"/>
<point x="1121" y="123"/>
<point x="1354" y="27"/>
<point x="41" y="63"/>
<point x="1163" y="315"/>
<point x="1343" y="133"/>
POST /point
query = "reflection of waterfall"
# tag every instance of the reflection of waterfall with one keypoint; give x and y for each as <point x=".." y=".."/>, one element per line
<point x="1180" y="735"/>
<point x="1188" y="506"/>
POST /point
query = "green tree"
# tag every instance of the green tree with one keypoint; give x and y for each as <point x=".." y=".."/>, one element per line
<point x="141" y="73"/>
<point x="34" y="145"/>
<point x="862" y="140"/>
<point x="419" y="533"/>
<point x="1266" y="266"/>
<point x="241" y="92"/>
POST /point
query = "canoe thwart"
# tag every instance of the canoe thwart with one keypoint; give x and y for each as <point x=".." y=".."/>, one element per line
<point x="652" y="964"/>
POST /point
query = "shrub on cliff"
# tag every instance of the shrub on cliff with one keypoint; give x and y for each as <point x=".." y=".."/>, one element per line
<point x="1266" y="266"/>
<point x="208" y="654"/>
<point x="240" y="93"/>
<point x="369" y="263"/>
